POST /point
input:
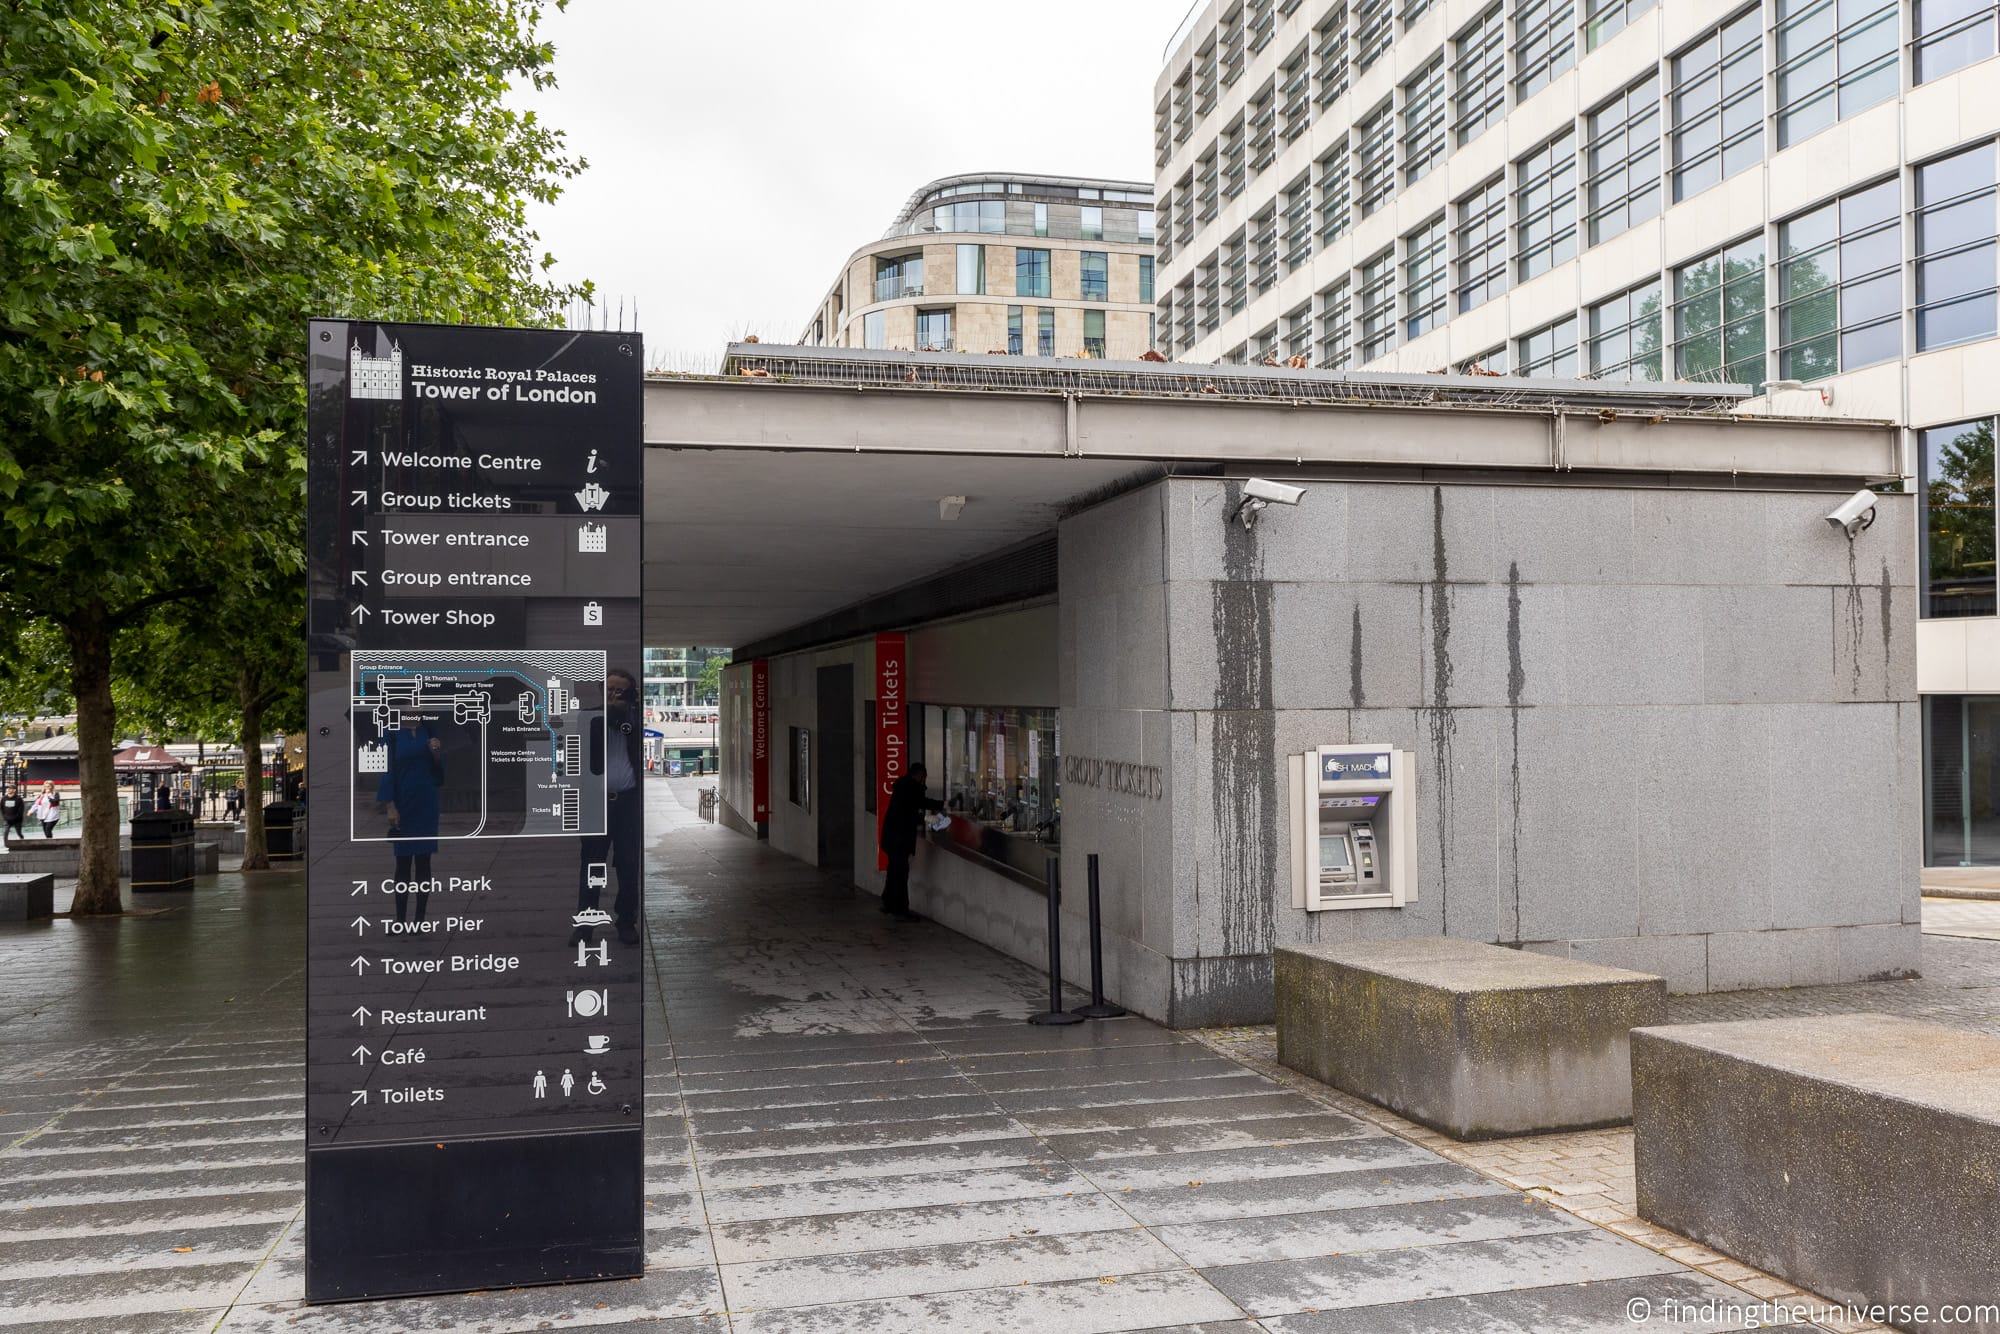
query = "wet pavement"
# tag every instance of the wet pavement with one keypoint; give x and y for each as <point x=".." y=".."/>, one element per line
<point x="849" y="1128"/>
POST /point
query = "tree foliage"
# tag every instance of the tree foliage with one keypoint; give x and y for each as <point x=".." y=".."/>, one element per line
<point x="181" y="186"/>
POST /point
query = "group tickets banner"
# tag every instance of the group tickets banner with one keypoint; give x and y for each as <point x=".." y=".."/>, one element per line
<point x="892" y="730"/>
<point x="475" y="1088"/>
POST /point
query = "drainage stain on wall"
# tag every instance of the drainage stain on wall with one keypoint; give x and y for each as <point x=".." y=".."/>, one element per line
<point x="1888" y="633"/>
<point x="1856" y="624"/>
<point x="1439" y="724"/>
<point x="1517" y="681"/>
<point x="1242" y="778"/>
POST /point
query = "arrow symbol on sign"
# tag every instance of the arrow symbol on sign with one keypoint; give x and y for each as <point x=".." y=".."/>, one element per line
<point x="358" y="536"/>
<point x="362" y="612"/>
<point x="360" y="965"/>
<point x="361" y="1055"/>
<point x="360" y="1098"/>
<point x="360" y="887"/>
<point x="357" y="576"/>
<point x="360" y="497"/>
<point x="359" y="455"/>
<point x="360" y="924"/>
<point x="361" y="1012"/>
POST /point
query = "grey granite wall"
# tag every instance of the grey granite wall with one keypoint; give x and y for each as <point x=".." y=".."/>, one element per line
<point x="1661" y="728"/>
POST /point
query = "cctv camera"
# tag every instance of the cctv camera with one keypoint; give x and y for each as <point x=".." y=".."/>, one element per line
<point x="1259" y="489"/>
<point x="1257" y="493"/>
<point x="1854" y="513"/>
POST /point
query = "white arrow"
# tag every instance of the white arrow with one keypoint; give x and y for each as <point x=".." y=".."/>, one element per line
<point x="361" y="1012"/>
<point x="357" y="576"/>
<point x="360" y="497"/>
<point x="360" y="965"/>
<point x="360" y="924"/>
<point x="358" y="536"/>
<point x="360" y="887"/>
<point x="362" y="612"/>
<point x="361" y="1055"/>
<point x="360" y="455"/>
<point x="360" y="1096"/>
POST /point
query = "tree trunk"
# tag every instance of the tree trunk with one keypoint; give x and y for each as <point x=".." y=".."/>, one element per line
<point x="89" y="636"/>
<point x="255" y="855"/>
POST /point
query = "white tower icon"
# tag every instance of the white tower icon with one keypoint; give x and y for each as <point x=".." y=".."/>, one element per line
<point x="375" y="377"/>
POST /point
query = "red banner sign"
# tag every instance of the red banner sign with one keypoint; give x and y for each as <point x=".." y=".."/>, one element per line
<point x="892" y="732"/>
<point x="760" y="739"/>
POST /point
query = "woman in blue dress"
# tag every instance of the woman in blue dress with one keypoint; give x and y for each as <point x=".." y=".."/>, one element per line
<point x="408" y="795"/>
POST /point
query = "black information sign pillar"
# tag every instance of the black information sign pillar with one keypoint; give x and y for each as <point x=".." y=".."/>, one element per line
<point x="475" y="1081"/>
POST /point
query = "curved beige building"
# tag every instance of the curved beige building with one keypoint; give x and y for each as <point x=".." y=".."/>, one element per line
<point x="1053" y="266"/>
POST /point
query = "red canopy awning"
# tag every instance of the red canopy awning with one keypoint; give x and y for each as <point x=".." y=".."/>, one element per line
<point x="146" y="760"/>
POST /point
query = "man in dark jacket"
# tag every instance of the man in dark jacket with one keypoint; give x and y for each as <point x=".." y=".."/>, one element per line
<point x="907" y="804"/>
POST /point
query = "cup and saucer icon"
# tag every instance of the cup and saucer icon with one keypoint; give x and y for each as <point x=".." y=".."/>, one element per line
<point x="597" y="1045"/>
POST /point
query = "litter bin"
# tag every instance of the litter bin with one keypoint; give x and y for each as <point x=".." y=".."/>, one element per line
<point x="285" y="831"/>
<point x="162" y="851"/>
<point x="707" y="808"/>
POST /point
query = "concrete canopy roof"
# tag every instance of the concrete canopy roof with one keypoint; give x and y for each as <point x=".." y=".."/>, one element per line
<point x="807" y="480"/>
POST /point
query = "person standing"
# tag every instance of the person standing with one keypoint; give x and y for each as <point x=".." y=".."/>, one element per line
<point x="908" y="801"/>
<point x="408" y="796"/>
<point x="13" y="810"/>
<point x="616" y="751"/>
<point x="48" y="809"/>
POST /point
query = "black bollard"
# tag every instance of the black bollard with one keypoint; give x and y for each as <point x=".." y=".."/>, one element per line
<point x="1055" y="1014"/>
<point x="1098" y="1008"/>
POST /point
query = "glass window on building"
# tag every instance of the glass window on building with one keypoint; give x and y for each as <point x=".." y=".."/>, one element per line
<point x="1719" y="316"/>
<point x="1041" y="219"/>
<point x="1545" y="207"/>
<point x="875" y="329"/>
<point x="1951" y="34"/>
<point x="1425" y="285"/>
<point x="1717" y="102"/>
<point x="1482" y="244"/>
<point x="1146" y="278"/>
<point x="1264" y="249"/>
<point x="1955" y="225"/>
<point x="1834" y="58"/>
<point x="934" y="330"/>
<point x="999" y="770"/>
<point x="1625" y="341"/>
<point x="1295" y="95"/>
<point x="1299" y="333"/>
<point x="1376" y="333"/>
<point x="1336" y="195"/>
<point x="1374" y="30"/>
<point x="899" y="276"/>
<point x="1605" y="19"/>
<point x="972" y="270"/>
<point x="1330" y="54"/>
<point x="1423" y="121"/>
<point x="1962" y="782"/>
<point x="1336" y="327"/>
<point x="1045" y="333"/>
<point x="1840" y="285"/>
<point x="1544" y="44"/>
<point x="1375" y="154"/>
<point x="1093" y="333"/>
<point x="1091" y="220"/>
<point x="1014" y="330"/>
<point x="1622" y="188"/>
<point x="1955" y="484"/>
<point x="1493" y="361"/>
<point x="1094" y="275"/>
<point x="1550" y="350"/>
<point x="1031" y="272"/>
<point x="1479" y="75"/>
<point x="1298" y="224"/>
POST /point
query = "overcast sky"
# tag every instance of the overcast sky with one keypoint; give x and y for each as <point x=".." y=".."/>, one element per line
<point x="740" y="152"/>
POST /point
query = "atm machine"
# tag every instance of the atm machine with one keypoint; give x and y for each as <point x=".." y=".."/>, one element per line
<point x="1354" y="828"/>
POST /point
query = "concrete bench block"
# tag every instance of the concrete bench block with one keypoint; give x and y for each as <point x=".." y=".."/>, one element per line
<point x="1856" y="1155"/>
<point x="1473" y="1040"/>
<point x="25" y="897"/>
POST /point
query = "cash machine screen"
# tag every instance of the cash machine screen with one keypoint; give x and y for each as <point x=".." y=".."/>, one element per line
<point x="1333" y="853"/>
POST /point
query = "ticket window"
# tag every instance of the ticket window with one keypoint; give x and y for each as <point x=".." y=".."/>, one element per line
<point x="1354" y="828"/>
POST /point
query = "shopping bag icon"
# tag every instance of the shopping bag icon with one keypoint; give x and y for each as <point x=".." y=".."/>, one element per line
<point x="593" y="613"/>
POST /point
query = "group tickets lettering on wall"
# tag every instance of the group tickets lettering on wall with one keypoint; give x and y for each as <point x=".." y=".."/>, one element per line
<point x="475" y="1087"/>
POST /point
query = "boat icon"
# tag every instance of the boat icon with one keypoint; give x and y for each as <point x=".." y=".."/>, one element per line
<point x="591" y="917"/>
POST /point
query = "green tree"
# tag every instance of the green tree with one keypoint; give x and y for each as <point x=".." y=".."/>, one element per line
<point x="708" y="686"/>
<point x="181" y="185"/>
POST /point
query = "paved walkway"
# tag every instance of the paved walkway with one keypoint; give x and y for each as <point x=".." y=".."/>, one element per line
<point x="849" y="1129"/>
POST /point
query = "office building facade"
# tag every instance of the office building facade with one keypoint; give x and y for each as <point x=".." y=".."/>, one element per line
<point x="1797" y="195"/>
<point x="1050" y="266"/>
